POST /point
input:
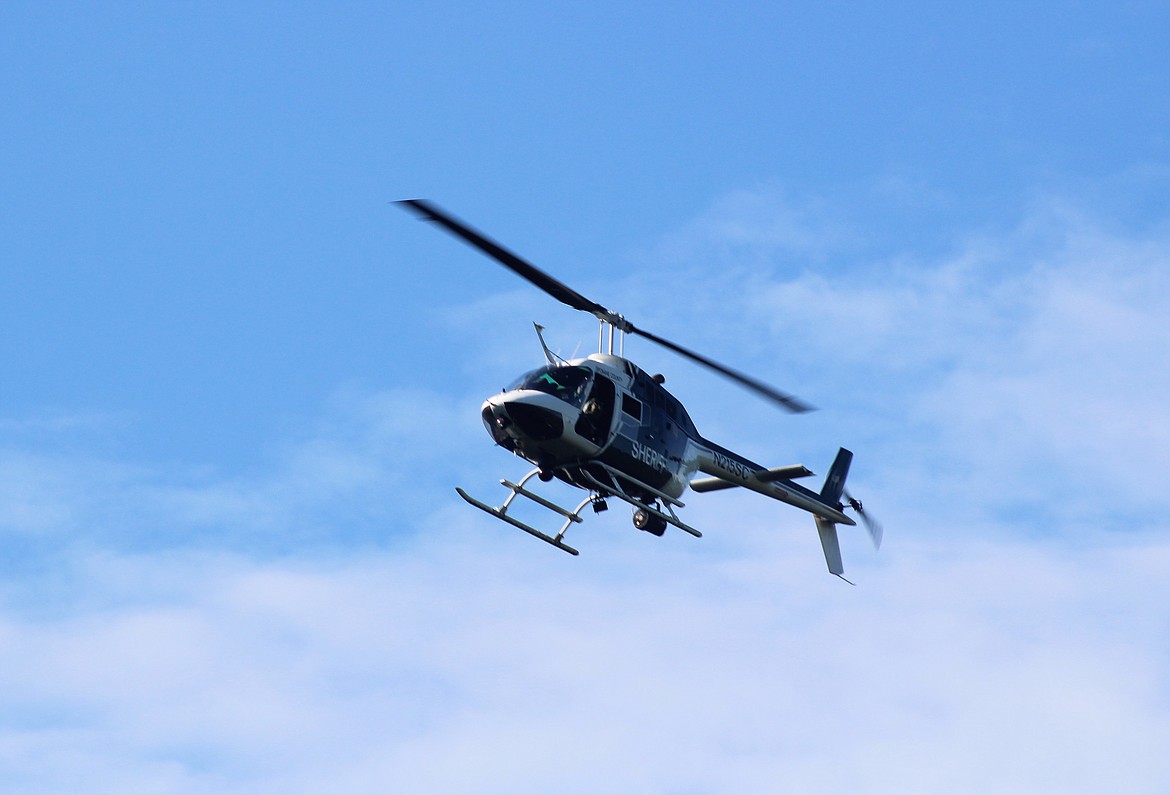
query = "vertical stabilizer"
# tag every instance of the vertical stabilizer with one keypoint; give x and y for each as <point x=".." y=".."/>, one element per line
<point x="835" y="482"/>
<point x="831" y="495"/>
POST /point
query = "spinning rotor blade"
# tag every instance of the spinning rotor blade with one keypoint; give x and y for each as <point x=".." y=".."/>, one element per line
<point x="793" y="404"/>
<point x="567" y="295"/>
<point x="513" y="262"/>
<point x="872" y="525"/>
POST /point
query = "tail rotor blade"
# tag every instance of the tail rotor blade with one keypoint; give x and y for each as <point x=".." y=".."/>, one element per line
<point x="872" y="525"/>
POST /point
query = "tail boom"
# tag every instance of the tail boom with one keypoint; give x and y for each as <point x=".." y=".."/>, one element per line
<point x="735" y="470"/>
<point x="729" y="469"/>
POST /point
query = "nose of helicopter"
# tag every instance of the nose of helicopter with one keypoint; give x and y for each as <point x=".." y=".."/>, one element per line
<point x="521" y="416"/>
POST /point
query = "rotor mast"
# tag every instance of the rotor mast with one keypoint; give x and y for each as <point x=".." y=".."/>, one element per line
<point x="612" y="329"/>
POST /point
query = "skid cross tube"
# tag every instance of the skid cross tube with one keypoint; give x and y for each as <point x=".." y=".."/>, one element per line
<point x="616" y="490"/>
<point x="517" y="489"/>
<point x="601" y="490"/>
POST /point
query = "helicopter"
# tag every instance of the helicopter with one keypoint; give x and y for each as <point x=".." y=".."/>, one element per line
<point x="605" y="426"/>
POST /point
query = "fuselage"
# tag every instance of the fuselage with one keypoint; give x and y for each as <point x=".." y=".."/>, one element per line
<point x="601" y="408"/>
<point x="604" y="409"/>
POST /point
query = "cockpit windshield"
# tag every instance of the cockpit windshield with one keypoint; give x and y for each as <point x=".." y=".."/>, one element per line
<point x="570" y="384"/>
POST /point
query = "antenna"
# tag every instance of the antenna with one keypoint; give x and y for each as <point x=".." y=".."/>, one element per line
<point x="549" y="356"/>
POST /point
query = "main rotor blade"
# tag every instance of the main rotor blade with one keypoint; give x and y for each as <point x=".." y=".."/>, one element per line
<point x="571" y="297"/>
<point x="789" y="402"/>
<point x="511" y="261"/>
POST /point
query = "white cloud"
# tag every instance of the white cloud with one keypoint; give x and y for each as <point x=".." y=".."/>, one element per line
<point x="1020" y="370"/>
<point x="370" y="459"/>
<point x="753" y="226"/>
<point x="692" y="668"/>
<point x="339" y="622"/>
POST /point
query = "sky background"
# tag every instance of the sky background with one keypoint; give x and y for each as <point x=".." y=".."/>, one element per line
<point x="238" y="387"/>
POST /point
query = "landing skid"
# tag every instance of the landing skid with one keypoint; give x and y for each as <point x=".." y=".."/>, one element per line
<point x="603" y="490"/>
<point x="517" y="489"/>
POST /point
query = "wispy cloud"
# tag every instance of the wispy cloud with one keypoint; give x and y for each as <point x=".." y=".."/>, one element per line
<point x="1017" y="369"/>
<point x="335" y="620"/>
<point x="962" y="665"/>
<point x="369" y="463"/>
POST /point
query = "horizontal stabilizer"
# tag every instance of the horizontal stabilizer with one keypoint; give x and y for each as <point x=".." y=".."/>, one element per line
<point x="790" y="472"/>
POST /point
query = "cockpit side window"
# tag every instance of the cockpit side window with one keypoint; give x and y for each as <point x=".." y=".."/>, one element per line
<point x="632" y="406"/>
<point x="570" y="384"/>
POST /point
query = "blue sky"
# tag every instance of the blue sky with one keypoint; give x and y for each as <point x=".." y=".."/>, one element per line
<point x="238" y="387"/>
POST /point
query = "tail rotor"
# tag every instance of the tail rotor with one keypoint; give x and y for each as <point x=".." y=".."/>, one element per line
<point x="872" y="525"/>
